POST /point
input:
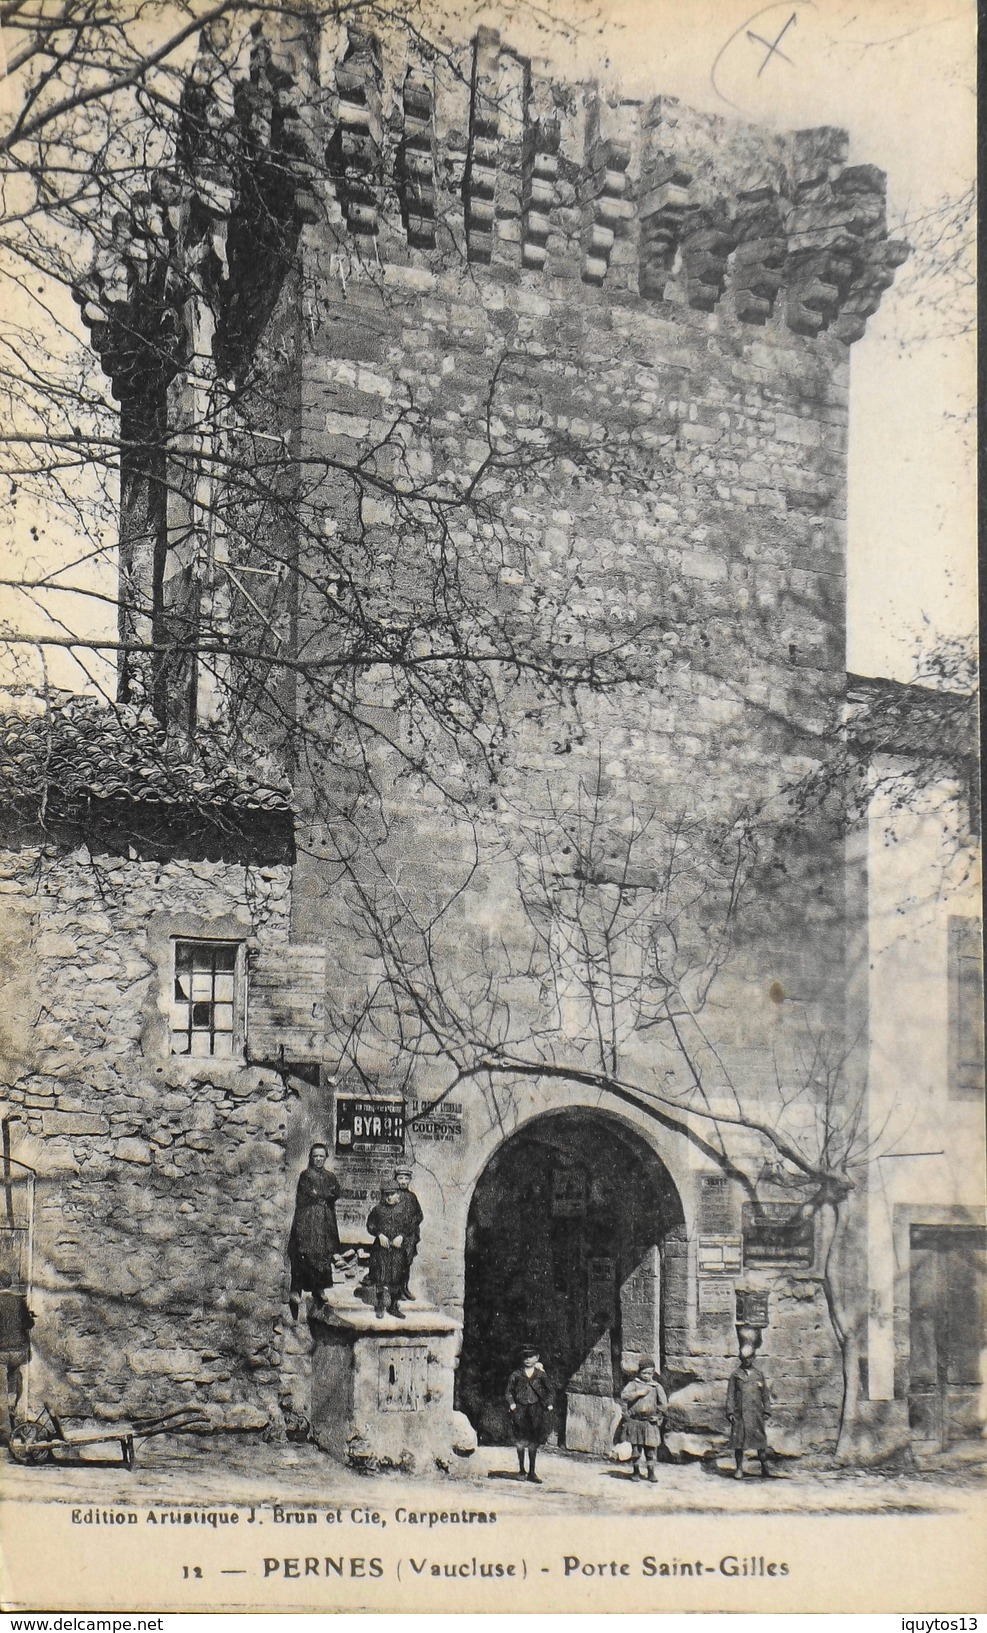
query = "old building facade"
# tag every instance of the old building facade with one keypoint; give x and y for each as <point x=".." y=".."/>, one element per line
<point x="144" y="1114"/>
<point x="917" y="991"/>
<point x="579" y="367"/>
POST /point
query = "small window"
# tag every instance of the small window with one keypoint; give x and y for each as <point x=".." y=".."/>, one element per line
<point x="966" y="1009"/>
<point x="205" y="1010"/>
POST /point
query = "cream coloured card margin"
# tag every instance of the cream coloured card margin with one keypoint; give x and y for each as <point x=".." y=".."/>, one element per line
<point x="898" y="75"/>
<point x="902" y="1561"/>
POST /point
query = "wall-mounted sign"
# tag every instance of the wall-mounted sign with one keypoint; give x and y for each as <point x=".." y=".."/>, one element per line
<point x="369" y="1125"/>
<point x="778" y="1233"/>
<point x="715" y="1204"/>
<point x="752" y="1307"/>
<point x="715" y="1295"/>
<point x="568" y="1193"/>
<point x="719" y="1256"/>
<point x="364" y="1177"/>
<point x="440" y="1122"/>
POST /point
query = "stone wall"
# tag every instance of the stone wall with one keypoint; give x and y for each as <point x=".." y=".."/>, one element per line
<point x="161" y="1208"/>
<point x="663" y="372"/>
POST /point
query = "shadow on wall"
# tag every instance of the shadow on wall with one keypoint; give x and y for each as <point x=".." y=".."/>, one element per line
<point x="564" y="1245"/>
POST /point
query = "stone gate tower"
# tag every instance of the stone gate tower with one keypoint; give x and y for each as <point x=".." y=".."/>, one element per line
<point x="632" y="321"/>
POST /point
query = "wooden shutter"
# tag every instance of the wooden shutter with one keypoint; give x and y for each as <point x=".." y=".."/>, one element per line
<point x="286" y="991"/>
<point x="966" y="1008"/>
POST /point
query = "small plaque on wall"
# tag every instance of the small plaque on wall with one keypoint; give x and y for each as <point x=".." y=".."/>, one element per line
<point x="716" y="1296"/>
<point x="568" y="1193"/>
<point x="369" y="1125"/>
<point x="440" y="1122"/>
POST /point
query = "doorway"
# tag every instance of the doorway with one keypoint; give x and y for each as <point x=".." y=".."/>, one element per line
<point x="947" y="1309"/>
<point x="574" y="1227"/>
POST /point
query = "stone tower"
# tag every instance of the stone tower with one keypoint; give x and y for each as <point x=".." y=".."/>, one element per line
<point x="591" y="357"/>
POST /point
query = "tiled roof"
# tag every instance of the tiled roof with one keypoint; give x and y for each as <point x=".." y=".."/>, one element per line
<point x="80" y="750"/>
<point x="888" y="716"/>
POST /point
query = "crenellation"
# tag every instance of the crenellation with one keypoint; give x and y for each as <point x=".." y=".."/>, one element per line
<point x="483" y="148"/>
<point x="415" y="161"/>
<point x="658" y="203"/>
<point x="355" y="150"/>
<point x="606" y="192"/>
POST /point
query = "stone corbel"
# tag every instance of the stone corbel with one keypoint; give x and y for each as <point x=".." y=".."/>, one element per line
<point x="540" y="174"/>
<point x="758" y="266"/>
<point x="812" y="292"/>
<point x="606" y="204"/>
<point x="355" y="149"/>
<point x="415" y="164"/>
<point x="274" y="134"/>
<point x="874" y="275"/>
<point x="254" y="100"/>
<point x="840" y="258"/>
<point x="706" y="247"/>
<point x="483" y="152"/>
<point x="758" y="270"/>
<point x="667" y="198"/>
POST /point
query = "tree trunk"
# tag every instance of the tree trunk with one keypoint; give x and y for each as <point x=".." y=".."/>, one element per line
<point x="845" y="1319"/>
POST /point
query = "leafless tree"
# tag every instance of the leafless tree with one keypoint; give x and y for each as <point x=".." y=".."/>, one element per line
<point x="160" y="167"/>
<point x="610" y="971"/>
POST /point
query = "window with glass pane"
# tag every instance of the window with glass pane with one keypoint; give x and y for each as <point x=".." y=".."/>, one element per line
<point x="204" y="1011"/>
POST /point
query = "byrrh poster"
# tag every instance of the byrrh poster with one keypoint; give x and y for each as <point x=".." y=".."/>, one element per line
<point x="491" y="1051"/>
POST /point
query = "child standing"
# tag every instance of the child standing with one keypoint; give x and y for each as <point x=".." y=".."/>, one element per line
<point x="529" y="1400"/>
<point x="644" y="1404"/>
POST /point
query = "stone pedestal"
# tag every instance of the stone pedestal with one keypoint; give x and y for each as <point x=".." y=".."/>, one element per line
<point x="382" y="1389"/>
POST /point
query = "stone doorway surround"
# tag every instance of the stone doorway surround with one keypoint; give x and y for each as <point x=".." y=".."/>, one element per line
<point x="568" y="1231"/>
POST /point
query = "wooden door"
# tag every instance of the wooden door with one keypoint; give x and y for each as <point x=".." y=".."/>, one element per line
<point x="947" y="1308"/>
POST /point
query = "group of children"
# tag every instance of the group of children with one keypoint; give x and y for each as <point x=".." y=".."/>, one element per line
<point x="644" y="1406"/>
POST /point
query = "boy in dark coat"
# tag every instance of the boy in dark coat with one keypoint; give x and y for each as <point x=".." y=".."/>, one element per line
<point x="529" y="1400"/>
<point x="394" y="1225"/>
<point x="748" y="1407"/>
<point x="314" y="1235"/>
<point x="412" y="1211"/>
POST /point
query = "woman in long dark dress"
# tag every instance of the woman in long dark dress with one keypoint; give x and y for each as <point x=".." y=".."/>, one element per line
<point x="314" y="1235"/>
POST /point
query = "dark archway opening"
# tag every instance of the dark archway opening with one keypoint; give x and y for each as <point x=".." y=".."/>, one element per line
<point x="575" y="1242"/>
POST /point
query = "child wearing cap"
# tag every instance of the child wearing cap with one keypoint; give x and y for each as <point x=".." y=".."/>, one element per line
<point x="644" y="1404"/>
<point x="529" y="1401"/>
<point x="394" y="1224"/>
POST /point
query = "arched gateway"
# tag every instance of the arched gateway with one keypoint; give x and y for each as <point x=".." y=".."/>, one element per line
<point x="575" y="1241"/>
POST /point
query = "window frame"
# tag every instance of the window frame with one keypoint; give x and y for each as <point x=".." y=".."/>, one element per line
<point x="965" y="983"/>
<point x="238" y="1000"/>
